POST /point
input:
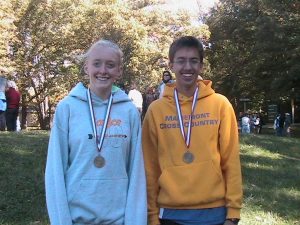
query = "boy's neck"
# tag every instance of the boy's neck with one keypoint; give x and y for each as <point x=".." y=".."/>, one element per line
<point x="187" y="91"/>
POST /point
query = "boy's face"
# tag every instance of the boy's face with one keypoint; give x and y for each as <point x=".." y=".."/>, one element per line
<point x="186" y="66"/>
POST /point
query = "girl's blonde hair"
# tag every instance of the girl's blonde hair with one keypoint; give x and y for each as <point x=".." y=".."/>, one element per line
<point x="102" y="43"/>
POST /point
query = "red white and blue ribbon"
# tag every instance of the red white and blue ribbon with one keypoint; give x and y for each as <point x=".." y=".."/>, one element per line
<point x="186" y="137"/>
<point x="107" y="113"/>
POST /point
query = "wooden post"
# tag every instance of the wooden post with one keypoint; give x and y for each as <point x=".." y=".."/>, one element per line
<point x="293" y="109"/>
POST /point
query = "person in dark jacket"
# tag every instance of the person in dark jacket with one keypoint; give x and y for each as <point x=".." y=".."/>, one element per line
<point x="279" y="124"/>
<point x="13" y="102"/>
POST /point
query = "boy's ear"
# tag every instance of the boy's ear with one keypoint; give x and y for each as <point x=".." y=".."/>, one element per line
<point x="201" y="68"/>
<point x="171" y="66"/>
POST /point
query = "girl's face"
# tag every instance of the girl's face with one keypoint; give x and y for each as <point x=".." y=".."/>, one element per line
<point x="103" y="68"/>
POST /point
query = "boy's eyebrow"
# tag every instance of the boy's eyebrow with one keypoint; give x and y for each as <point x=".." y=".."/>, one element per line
<point x="182" y="57"/>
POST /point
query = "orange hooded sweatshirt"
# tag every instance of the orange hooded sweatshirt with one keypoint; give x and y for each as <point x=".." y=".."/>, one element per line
<point x="214" y="178"/>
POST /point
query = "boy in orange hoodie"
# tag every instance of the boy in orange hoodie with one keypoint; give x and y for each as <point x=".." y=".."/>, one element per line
<point x="191" y="148"/>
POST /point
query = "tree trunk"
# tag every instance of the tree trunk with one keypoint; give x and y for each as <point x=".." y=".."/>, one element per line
<point x="43" y="116"/>
<point x="24" y="113"/>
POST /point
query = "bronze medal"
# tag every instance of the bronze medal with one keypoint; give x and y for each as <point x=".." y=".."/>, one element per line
<point x="188" y="157"/>
<point x="99" y="161"/>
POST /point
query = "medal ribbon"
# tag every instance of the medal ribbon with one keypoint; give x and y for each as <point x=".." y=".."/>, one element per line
<point x="186" y="137"/>
<point x="108" y="110"/>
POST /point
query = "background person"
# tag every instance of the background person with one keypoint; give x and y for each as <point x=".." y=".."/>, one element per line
<point x="261" y="123"/>
<point x="95" y="169"/>
<point x="148" y="97"/>
<point x="166" y="79"/>
<point x="279" y="124"/>
<point x="136" y="97"/>
<point x="13" y="97"/>
<point x="287" y="125"/>
<point x="3" y="104"/>
<point x="245" y="124"/>
<point x="191" y="148"/>
<point x="257" y="124"/>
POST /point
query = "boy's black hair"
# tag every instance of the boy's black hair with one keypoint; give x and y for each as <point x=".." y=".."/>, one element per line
<point x="186" y="41"/>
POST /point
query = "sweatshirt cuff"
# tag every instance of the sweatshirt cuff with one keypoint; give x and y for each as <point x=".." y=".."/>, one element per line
<point x="233" y="213"/>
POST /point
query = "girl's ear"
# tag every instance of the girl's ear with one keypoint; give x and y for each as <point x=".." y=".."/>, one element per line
<point x="85" y="68"/>
<point x="120" y="73"/>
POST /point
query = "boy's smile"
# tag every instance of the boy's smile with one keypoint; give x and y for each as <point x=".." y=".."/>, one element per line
<point x="186" y="66"/>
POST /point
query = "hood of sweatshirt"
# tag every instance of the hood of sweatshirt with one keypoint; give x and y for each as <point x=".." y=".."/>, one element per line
<point x="205" y="90"/>
<point x="80" y="92"/>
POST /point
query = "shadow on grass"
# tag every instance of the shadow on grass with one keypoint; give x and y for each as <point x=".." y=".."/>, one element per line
<point x="271" y="181"/>
<point x="22" y="157"/>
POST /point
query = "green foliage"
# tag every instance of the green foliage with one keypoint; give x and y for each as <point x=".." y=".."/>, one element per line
<point x="7" y="34"/>
<point x="49" y="35"/>
<point x="255" y="48"/>
<point x="139" y="4"/>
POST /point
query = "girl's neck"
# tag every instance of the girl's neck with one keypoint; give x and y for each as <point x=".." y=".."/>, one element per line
<point x="101" y="93"/>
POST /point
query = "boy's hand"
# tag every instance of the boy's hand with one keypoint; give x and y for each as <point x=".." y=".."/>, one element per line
<point x="231" y="222"/>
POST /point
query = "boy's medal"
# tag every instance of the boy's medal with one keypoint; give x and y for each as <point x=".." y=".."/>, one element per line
<point x="187" y="157"/>
<point x="99" y="160"/>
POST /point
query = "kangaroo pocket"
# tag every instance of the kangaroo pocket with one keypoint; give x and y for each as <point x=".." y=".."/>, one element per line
<point x="191" y="185"/>
<point x="99" y="201"/>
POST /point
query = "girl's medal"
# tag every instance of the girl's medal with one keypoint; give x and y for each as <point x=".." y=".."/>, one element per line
<point x="99" y="160"/>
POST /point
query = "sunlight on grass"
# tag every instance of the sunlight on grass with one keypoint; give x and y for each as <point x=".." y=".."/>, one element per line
<point x="259" y="217"/>
<point x="271" y="171"/>
<point x="258" y="151"/>
<point x="289" y="192"/>
<point x="254" y="213"/>
<point x="270" y="168"/>
<point x="257" y="165"/>
<point x="21" y="152"/>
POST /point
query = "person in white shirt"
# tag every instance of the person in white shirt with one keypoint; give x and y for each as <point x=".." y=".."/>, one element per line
<point x="166" y="78"/>
<point x="136" y="97"/>
<point x="245" y="124"/>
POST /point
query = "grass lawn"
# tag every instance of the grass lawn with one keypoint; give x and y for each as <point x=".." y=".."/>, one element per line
<point x="271" y="176"/>
<point x="22" y="160"/>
